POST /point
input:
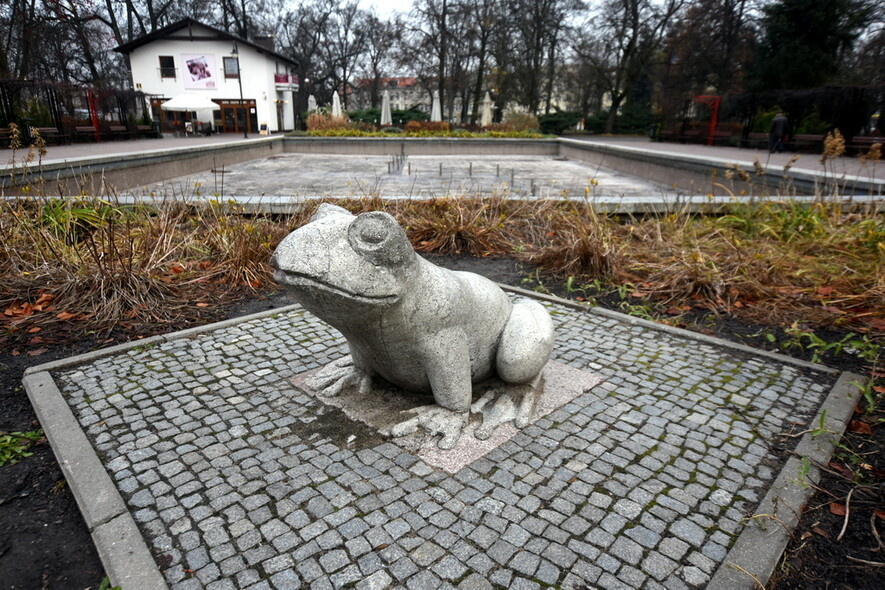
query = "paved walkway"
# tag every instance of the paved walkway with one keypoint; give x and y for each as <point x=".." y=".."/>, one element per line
<point x="238" y="480"/>
<point x="63" y="153"/>
<point x="851" y="166"/>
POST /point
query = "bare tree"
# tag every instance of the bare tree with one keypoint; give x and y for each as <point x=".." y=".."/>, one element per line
<point x="429" y="41"/>
<point x="303" y="33"/>
<point x="711" y="42"/>
<point x="346" y="44"/>
<point x="381" y="38"/>
<point x="485" y="16"/>
<point x="619" y="43"/>
<point x="537" y="27"/>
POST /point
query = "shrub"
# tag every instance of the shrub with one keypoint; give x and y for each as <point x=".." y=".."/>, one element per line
<point x="366" y="116"/>
<point x="411" y="114"/>
<point x="413" y="126"/>
<point x="392" y="130"/>
<point x="362" y="126"/>
<point x="321" y="122"/>
<point x="556" y="123"/>
<point x="635" y="120"/>
<point x="522" y="121"/>
<point x="500" y="128"/>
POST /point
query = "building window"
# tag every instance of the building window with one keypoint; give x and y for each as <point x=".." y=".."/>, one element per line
<point x="231" y="67"/>
<point x="167" y="66"/>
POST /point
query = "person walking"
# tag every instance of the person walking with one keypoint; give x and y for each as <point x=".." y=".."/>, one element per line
<point x="779" y="126"/>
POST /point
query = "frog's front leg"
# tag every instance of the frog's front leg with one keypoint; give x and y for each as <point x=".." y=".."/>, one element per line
<point x="345" y="373"/>
<point x="446" y="361"/>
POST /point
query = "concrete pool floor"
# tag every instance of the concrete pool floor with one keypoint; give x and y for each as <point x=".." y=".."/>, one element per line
<point x="328" y="175"/>
<point x="849" y="166"/>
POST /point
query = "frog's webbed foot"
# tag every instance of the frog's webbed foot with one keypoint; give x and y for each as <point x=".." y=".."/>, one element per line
<point x="338" y="376"/>
<point x="437" y="421"/>
<point x="505" y="403"/>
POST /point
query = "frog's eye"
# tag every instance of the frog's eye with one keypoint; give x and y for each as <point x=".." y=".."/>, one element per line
<point x="379" y="239"/>
<point x="372" y="231"/>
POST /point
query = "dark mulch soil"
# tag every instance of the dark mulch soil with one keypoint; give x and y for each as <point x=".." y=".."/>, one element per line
<point x="45" y="545"/>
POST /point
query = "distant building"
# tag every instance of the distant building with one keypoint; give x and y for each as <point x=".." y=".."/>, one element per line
<point x="404" y="94"/>
<point x="189" y="57"/>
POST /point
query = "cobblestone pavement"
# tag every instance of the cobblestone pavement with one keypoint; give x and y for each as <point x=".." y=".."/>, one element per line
<point x="238" y="480"/>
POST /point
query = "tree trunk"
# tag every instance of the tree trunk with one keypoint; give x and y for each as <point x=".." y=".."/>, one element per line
<point x="617" y="99"/>
<point x="443" y="53"/>
<point x="480" y="75"/>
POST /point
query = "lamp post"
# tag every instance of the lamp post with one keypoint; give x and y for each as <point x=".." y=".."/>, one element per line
<point x="235" y="53"/>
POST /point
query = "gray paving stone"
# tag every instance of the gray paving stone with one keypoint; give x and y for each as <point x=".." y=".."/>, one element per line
<point x="423" y="580"/>
<point x="333" y="560"/>
<point x="403" y="568"/>
<point x="377" y="581"/>
<point x="427" y="553"/>
<point x="475" y="582"/>
<point x="449" y="568"/>
<point x="286" y="580"/>
<point x="626" y="550"/>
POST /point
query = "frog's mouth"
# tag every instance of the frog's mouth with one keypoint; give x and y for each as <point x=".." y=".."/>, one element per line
<point x="303" y="282"/>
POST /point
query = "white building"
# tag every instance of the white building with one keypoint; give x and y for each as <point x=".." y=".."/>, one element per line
<point x="191" y="58"/>
<point x="404" y="93"/>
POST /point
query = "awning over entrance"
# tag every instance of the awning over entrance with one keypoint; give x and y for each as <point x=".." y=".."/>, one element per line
<point x="189" y="102"/>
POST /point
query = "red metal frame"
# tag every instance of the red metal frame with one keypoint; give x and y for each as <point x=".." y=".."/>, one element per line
<point x="93" y="113"/>
<point x="712" y="102"/>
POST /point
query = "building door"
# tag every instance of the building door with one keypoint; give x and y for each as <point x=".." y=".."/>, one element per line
<point x="237" y="117"/>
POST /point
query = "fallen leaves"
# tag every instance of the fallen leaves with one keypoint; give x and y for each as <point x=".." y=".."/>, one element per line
<point x="841" y="468"/>
<point x="859" y="427"/>
<point x="837" y="508"/>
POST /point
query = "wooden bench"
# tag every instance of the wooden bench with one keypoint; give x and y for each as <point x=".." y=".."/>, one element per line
<point x="722" y="137"/>
<point x="670" y="134"/>
<point x="807" y="142"/>
<point x="693" y="136"/>
<point x="86" y="132"/>
<point x="863" y="143"/>
<point x="756" y="140"/>
<point x="119" y="132"/>
<point x="52" y="135"/>
<point x="145" y="131"/>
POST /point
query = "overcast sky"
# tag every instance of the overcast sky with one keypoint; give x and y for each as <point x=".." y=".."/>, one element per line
<point x="385" y="8"/>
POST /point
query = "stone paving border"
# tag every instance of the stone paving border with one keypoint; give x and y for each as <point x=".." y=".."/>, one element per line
<point x="129" y="562"/>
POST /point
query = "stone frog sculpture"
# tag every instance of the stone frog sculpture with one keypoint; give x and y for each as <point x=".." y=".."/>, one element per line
<point x="420" y="327"/>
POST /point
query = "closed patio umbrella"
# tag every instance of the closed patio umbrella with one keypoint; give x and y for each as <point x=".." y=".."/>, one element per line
<point x="485" y="118"/>
<point x="386" y="119"/>
<point x="436" y="111"/>
<point x="336" y="105"/>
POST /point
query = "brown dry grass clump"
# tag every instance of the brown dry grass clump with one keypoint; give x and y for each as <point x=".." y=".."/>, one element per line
<point x="103" y="263"/>
<point x="769" y="262"/>
<point x="323" y="122"/>
<point x="418" y="126"/>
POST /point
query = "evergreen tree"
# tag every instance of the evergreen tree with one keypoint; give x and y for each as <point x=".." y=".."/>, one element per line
<point x="803" y="41"/>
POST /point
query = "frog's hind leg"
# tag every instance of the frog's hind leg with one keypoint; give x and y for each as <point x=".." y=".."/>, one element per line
<point x="526" y="343"/>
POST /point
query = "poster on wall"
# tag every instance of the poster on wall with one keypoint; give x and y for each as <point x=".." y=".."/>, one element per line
<point x="200" y="73"/>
